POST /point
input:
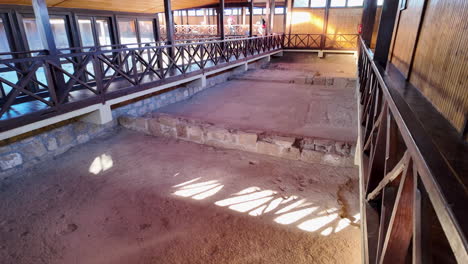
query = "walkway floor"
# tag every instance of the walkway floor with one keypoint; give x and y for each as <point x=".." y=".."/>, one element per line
<point x="277" y="99"/>
<point x="131" y="198"/>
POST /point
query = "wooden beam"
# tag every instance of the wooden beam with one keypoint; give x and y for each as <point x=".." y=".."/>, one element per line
<point x="157" y="30"/>
<point x="386" y="26"/>
<point x="391" y="176"/>
<point x="388" y="200"/>
<point x="377" y="158"/>
<point x="399" y="232"/>
<point x="169" y="25"/>
<point x="368" y="20"/>
<point x="251" y="18"/>
<point x="287" y="17"/>
<point x="325" y="24"/>
<point x="221" y="20"/>
<point x="271" y="18"/>
<point x="417" y="226"/>
<point x="55" y="78"/>
<point x="268" y="11"/>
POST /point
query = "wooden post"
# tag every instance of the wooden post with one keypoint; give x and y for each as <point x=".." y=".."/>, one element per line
<point x="221" y="20"/>
<point x="325" y="25"/>
<point x="251" y="18"/>
<point x="368" y="20"/>
<point x="384" y="37"/>
<point x="271" y="19"/>
<point x="48" y="42"/>
<point x="169" y="26"/>
<point x="157" y="31"/>
<point x="287" y="16"/>
<point x="243" y="15"/>
<point x="268" y="11"/>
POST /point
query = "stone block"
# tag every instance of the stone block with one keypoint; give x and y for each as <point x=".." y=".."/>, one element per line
<point x="9" y="161"/>
<point x="343" y="148"/>
<point x="291" y="153"/>
<point x="268" y="148"/>
<point x="324" y="145"/>
<point x="168" y="120"/>
<point x="218" y="134"/>
<point x="247" y="139"/>
<point x="284" y="142"/>
<point x="195" y="133"/>
<point x="51" y="144"/>
<point x="307" y="143"/>
<point x="64" y="138"/>
<point x="158" y="129"/>
<point x="134" y="123"/>
<point x="82" y="138"/>
<point x="181" y="130"/>
<point x="33" y="149"/>
<point x="320" y="81"/>
<point x="337" y="160"/>
<point x="311" y="156"/>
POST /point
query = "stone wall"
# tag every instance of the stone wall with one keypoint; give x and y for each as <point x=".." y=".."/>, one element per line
<point x="311" y="150"/>
<point x="24" y="151"/>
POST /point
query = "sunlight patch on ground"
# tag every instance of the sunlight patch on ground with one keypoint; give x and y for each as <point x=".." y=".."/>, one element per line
<point x="258" y="202"/>
<point x="101" y="164"/>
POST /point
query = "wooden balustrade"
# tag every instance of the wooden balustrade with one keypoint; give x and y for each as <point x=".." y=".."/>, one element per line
<point x="418" y="198"/>
<point x="94" y="75"/>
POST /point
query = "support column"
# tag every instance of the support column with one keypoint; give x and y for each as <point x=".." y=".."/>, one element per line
<point x="325" y="27"/>
<point x="268" y="11"/>
<point x="384" y="37"/>
<point x="271" y="19"/>
<point x="169" y="25"/>
<point x="221" y="20"/>
<point x="251" y="18"/>
<point x="157" y="31"/>
<point x="288" y="16"/>
<point x="368" y="20"/>
<point x="48" y="42"/>
<point x="243" y="15"/>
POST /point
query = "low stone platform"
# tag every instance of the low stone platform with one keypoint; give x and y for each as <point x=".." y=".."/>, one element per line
<point x="306" y="149"/>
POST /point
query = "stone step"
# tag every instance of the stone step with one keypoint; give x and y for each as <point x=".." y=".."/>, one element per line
<point x="293" y="147"/>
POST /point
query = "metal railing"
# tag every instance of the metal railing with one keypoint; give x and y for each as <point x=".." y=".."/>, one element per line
<point x="31" y="90"/>
<point x="405" y="179"/>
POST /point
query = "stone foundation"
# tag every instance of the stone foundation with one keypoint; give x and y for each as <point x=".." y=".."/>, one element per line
<point x="311" y="150"/>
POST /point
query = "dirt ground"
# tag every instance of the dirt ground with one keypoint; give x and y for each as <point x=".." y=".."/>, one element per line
<point x="131" y="198"/>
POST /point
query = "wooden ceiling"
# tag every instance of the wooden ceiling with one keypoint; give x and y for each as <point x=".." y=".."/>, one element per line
<point x="136" y="6"/>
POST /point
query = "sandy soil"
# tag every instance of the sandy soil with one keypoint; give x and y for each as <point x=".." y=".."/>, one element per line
<point x="131" y="198"/>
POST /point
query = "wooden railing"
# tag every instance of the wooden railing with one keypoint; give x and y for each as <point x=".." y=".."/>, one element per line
<point x="321" y="41"/>
<point x="35" y="85"/>
<point x="419" y="199"/>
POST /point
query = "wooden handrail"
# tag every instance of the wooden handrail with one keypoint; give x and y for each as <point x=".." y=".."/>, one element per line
<point x="444" y="187"/>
